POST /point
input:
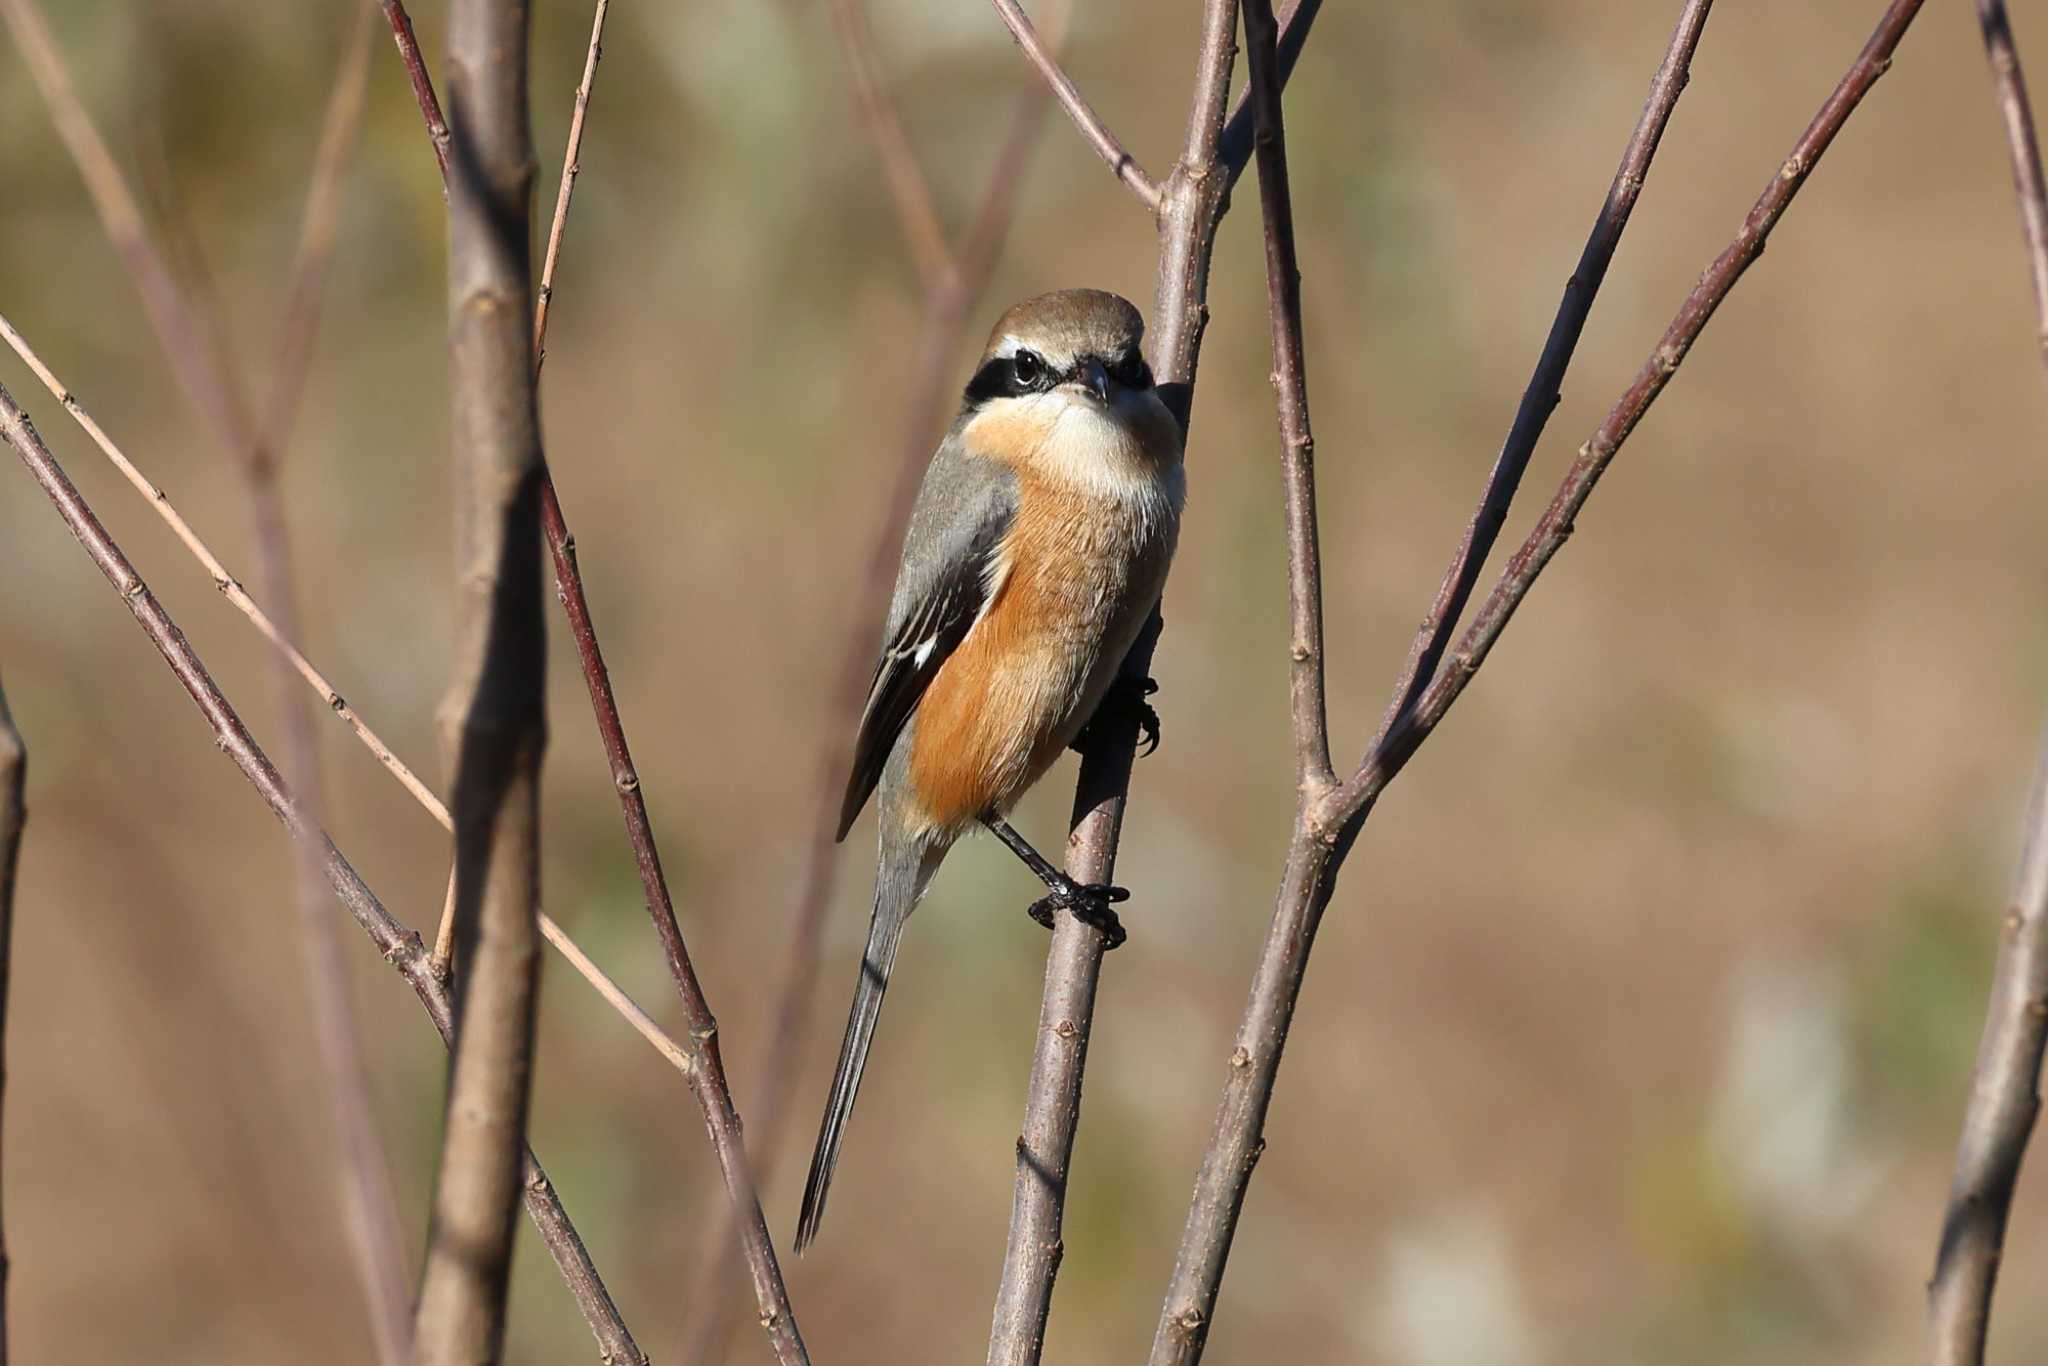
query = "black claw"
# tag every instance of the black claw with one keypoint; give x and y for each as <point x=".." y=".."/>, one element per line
<point x="1127" y="694"/>
<point x="1090" y="905"/>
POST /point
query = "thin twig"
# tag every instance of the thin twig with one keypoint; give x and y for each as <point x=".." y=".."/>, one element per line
<point x="399" y="946"/>
<point x="572" y="166"/>
<point x="422" y="87"/>
<point x="307" y="292"/>
<point x="1190" y="207"/>
<point x="912" y="193"/>
<point x="1105" y="143"/>
<point x="13" y="816"/>
<point x="232" y="590"/>
<point x="1541" y="397"/>
<point x="110" y="193"/>
<point x="1327" y="826"/>
<point x="2005" y="1088"/>
<point x="371" y="1199"/>
<point x="494" y="719"/>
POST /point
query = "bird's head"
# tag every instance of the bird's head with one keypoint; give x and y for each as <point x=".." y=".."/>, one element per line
<point x="1081" y="343"/>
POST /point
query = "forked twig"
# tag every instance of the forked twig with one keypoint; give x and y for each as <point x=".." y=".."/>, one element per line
<point x="1120" y="162"/>
<point x="1330" y="818"/>
<point x="400" y="946"/>
<point x="2005" y="1094"/>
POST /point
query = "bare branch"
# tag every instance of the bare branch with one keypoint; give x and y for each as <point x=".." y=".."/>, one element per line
<point x="915" y="211"/>
<point x="1541" y="398"/>
<point x="1309" y="714"/>
<point x="494" y="725"/>
<point x="1328" y="824"/>
<point x="399" y="946"/>
<point x="2005" y="1088"/>
<point x="13" y="816"/>
<point x="572" y="166"/>
<point x="422" y="86"/>
<point x="1105" y="143"/>
<point x="1190" y="207"/>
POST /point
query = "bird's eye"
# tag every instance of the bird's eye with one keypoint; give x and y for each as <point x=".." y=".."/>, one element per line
<point x="1029" y="368"/>
<point x="1131" y="371"/>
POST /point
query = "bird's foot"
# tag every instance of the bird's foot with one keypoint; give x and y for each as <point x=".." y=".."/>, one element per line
<point x="1126" y="695"/>
<point x="1090" y="904"/>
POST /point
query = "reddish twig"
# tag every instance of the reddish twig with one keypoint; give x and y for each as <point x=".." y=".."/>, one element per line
<point x="1541" y="397"/>
<point x="1329" y="822"/>
<point x="399" y="946"/>
<point x="422" y="87"/>
<point x="1121" y="162"/>
<point x="912" y="193"/>
<point x="13" y="816"/>
<point x="2005" y="1088"/>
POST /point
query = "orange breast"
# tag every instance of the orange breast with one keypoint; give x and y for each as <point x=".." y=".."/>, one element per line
<point x="999" y="712"/>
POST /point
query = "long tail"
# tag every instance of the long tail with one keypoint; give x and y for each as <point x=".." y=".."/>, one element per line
<point x="899" y="881"/>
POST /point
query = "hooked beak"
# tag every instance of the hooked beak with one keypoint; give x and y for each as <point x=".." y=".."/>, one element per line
<point x="1094" y="378"/>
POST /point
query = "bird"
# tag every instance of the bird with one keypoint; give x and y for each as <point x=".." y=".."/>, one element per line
<point x="1036" y="550"/>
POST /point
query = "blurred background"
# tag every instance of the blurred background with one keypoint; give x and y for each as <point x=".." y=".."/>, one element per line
<point x="1640" y="1026"/>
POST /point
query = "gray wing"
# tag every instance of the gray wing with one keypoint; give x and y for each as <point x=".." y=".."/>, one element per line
<point x="963" y="510"/>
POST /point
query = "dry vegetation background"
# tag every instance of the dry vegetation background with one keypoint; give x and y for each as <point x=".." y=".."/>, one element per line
<point x="1641" y="1025"/>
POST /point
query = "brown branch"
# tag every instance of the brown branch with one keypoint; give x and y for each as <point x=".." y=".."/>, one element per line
<point x="13" y="816"/>
<point x="1329" y="823"/>
<point x="1541" y="397"/>
<point x="2005" y="1088"/>
<point x="399" y="946"/>
<point x="1190" y="207"/>
<point x="1121" y="162"/>
<point x="422" y="87"/>
<point x="494" y="719"/>
<point x="2004" y="1102"/>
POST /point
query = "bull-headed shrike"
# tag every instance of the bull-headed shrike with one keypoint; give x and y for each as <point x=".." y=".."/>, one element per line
<point x="1037" y="548"/>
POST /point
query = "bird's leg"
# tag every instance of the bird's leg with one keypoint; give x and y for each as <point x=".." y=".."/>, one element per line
<point x="1125" y="695"/>
<point x="1090" y="902"/>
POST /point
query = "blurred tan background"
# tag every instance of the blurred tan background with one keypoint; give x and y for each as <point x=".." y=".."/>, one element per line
<point x="1640" y="1026"/>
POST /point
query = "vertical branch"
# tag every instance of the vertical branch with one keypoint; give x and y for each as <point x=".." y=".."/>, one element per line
<point x="2005" y="1088"/>
<point x="13" y="815"/>
<point x="1190" y="206"/>
<point x="493" y="723"/>
<point x="1307" y="709"/>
